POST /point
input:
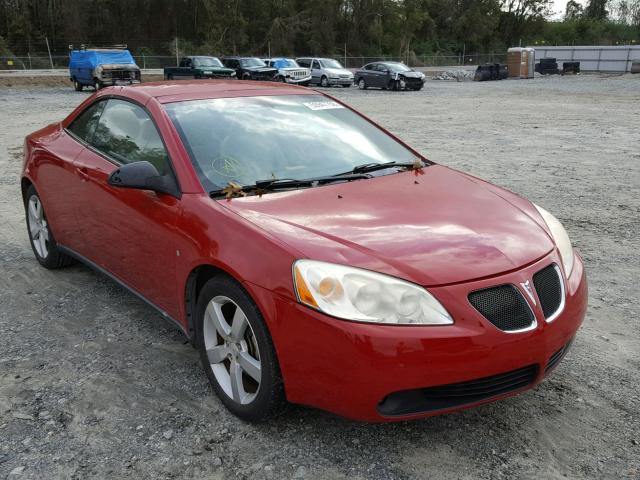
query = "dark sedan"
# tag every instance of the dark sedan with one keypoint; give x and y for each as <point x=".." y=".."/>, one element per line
<point x="389" y="76"/>
<point x="250" y="68"/>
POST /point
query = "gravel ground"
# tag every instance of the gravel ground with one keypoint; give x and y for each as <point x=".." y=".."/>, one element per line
<point x="94" y="384"/>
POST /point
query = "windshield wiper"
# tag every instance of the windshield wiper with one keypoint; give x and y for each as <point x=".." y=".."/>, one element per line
<point x="283" y="183"/>
<point x="372" y="167"/>
<point x="288" y="183"/>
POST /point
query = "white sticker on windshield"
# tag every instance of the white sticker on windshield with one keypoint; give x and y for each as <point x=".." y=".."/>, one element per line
<point x="327" y="105"/>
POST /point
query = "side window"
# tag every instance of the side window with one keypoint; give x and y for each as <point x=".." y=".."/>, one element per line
<point x="315" y="65"/>
<point x="303" y="62"/>
<point x="127" y="134"/>
<point x="85" y="124"/>
<point x="369" y="67"/>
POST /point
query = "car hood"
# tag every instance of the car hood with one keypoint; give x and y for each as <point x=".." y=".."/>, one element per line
<point x="294" y="69"/>
<point x="411" y="74"/>
<point x="434" y="226"/>
<point x="338" y="71"/>
<point x="215" y="69"/>
<point x="260" y="69"/>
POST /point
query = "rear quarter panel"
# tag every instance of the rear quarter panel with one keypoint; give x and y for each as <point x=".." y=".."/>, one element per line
<point x="49" y="166"/>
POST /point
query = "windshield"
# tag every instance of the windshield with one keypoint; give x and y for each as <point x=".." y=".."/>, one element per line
<point x="398" y="67"/>
<point x="248" y="139"/>
<point x="252" y="62"/>
<point x="207" y="62"/>
<point x="285" y="63"/>
<point x="328" y="63"/>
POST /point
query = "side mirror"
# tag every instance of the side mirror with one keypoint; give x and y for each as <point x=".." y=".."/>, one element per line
<point x="144" y="176"/>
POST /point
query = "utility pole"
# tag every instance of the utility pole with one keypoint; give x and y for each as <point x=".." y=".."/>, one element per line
<point x="49" y="50"/>
<point x="177" y="60"/>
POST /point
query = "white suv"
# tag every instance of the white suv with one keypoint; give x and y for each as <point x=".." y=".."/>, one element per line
<point x="289" y="71"/>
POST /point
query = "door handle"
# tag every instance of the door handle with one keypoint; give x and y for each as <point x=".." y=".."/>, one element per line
<point x="83" y="173"/>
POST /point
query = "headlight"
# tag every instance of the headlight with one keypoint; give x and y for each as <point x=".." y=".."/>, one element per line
<point x="232" y="74"/>
<point x="365" y="296"/>
<point x="560" y="237"/>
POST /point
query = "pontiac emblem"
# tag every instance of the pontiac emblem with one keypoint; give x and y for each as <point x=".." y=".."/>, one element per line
<point x="527" y="288"/>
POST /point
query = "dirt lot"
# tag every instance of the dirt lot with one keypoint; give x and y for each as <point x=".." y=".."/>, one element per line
<point x="94" y="384"/>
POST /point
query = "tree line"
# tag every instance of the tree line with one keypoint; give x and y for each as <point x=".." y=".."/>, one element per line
<point x="294" y="27"/>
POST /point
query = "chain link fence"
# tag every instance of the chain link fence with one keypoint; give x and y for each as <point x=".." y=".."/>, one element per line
<point x="40" y="62"/>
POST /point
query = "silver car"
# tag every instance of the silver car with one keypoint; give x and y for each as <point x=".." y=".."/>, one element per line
<point x="327" y="71"/>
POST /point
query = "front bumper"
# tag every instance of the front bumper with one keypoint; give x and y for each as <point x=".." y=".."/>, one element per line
<point x="110" y="82"/>
<point x="340" y="81"/>
<point x="298" y="80"/>
<point x="349" y="368"/>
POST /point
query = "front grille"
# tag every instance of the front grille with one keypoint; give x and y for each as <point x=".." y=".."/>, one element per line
<point x="504" y="306"/>
<point x="430" y="399"/>
<point x="556" y="357"/>
<point x="119" y="74"/>
<point x="549" y="289"/>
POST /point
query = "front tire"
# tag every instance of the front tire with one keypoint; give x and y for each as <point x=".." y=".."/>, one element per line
<point x="77" y="85"/>
<point x="324" y="82"/>
<point x="97" y="84"/>
<point x="237" y="352"/>
<point x="43" y="243"/>
<point x="362" y="85"/>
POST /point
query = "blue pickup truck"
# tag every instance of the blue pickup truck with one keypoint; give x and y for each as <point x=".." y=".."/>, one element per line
<point x="101" y="67"/>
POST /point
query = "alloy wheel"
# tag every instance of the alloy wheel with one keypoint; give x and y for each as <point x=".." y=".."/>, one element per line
<point x="38" y="227"/>
<point x="361" y="84"/>
<point x="232" y="350"/>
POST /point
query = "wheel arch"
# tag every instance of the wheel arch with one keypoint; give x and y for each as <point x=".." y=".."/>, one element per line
<point x="25" y="183"/>
<point x="195" y="281"/>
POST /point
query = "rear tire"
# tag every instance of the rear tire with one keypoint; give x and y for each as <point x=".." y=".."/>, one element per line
<point x="43" y="243"/>
<point x="237" y="352"/>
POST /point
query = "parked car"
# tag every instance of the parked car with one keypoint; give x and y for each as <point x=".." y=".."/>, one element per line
<point x="389" y="76"/>
<point x="250" y="68"/>
<point x="271" y="225"/>
<point x="199" y="67"/>
<point x="327" y="72"/>
<point x="100" y="67"/>
<point x="289" y="71"/>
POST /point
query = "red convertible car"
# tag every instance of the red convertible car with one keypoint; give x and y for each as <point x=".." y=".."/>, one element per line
<point x="309" y="255"/>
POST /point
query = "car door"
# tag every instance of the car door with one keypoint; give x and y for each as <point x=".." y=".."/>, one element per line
<point x="366" y="73"/>
<point x="378" y="76"/>
<point x="316" y="71"/>
<point x="128" y="232"/>
<point x="56" y="180"/>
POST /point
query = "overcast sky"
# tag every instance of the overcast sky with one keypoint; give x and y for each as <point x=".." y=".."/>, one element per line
<point x="559" y="7"/>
